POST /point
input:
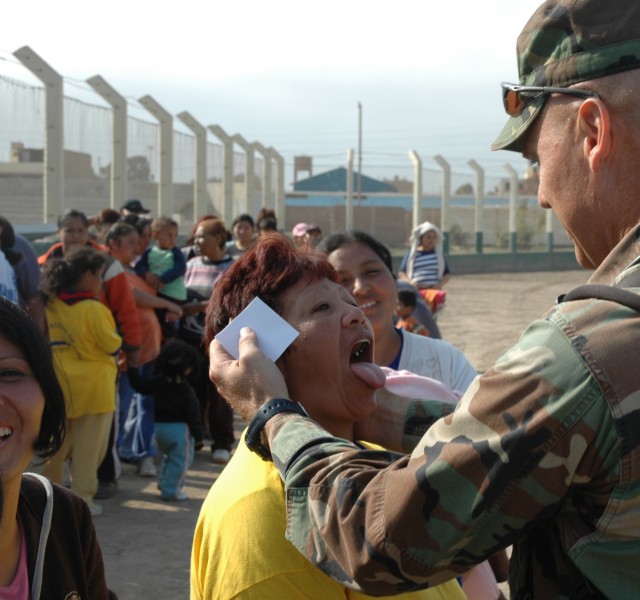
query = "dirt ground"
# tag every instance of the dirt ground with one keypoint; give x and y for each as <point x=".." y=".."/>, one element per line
<point x="147" y="542"/>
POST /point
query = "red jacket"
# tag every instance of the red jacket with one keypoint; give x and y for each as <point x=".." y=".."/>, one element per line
<point x="55" y="251"/>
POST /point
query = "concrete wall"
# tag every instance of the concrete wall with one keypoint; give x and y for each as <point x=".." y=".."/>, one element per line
<point x="21" y="203"/>
<point x="393" y="225"/>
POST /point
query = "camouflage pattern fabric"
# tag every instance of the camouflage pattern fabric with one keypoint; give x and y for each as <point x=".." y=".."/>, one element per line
<point x="569" y="41"/>
<point x="543" y="452"/>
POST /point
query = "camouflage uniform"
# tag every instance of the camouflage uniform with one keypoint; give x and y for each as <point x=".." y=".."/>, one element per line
<point x="543" y="452"/>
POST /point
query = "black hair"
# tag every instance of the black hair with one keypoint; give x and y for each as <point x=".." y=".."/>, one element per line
<point x="335" y="241"/>
<point x="243" y="217"/>
<point x="408" y="298"/>
<point x="64" y="273"/>
<point x="71" y="213"/>
<point x="266" y="213"/>
<point x="7" y="241"/>
<point x="17" y="328"/>
<point x="118" y="230"/>
<point x="267" y="224"/>
<point x="136" y="221"/>
<point x="175" y="358"/>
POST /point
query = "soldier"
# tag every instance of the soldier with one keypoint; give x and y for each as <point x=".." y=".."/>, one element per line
<point x="543" y="451"/>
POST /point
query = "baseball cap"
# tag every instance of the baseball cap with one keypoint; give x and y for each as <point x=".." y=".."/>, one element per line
<point x="566" y="42"/>
<point x="134" y="206"/>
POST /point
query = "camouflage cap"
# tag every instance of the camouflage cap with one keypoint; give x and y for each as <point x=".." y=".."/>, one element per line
<point x="568" y="41"/>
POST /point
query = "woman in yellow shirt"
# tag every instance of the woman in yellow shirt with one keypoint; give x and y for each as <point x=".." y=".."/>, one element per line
<point x="239" y="548"/>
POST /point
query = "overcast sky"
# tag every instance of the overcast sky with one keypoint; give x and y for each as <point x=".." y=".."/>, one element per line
<point x="290" y="74"/>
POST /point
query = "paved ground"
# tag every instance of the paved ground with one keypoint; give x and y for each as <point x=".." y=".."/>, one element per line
<point x="146" y="542"/>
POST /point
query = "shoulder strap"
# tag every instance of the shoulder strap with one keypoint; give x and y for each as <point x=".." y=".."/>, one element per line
<point x="603" y="292"/>
<point x="36" y="584"/>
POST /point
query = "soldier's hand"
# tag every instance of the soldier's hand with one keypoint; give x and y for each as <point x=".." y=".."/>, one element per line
<point x="248" y="382"/>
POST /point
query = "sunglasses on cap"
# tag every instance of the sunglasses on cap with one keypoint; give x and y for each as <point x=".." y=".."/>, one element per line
<point x="516" y="96"/>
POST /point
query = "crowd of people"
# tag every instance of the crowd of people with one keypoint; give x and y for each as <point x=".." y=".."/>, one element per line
<point x="375" y="461"/>
<point x="123" y="308"/>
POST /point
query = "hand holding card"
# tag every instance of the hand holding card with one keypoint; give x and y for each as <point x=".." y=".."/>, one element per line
<point x="273" y="332"/>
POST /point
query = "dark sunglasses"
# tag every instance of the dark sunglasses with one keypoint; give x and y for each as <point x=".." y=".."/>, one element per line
<point x="516" y="96"/>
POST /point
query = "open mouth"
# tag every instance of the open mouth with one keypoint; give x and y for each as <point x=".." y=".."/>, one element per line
<point x="366" y="305"/>
<point x="5" y="432"/>
<point x="361" y="352"/>
<point x="362" y="366"/>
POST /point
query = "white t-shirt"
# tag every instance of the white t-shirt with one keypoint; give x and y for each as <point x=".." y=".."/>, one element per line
<point x="436" y="359"/>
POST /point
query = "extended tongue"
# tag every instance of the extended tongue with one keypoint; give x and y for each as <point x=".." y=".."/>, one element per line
<point x="369" y="373"/>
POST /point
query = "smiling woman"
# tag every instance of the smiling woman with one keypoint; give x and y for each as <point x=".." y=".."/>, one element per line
<point x="35" y="515"/>
<point x="239" y="545"/>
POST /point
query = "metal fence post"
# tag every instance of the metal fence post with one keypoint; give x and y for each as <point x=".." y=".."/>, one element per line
<point x="200" y="181"/>
<point x="226" y="209"/>
<point x="479" y="208"/>
<point x="53" y="202"/>
<point x="266" y="175"/>
<point x="513" y="208"/>
<point x="417" y="189"/>
<point x="348" y="217"/>
<point x="165" y="185"/>
<point x="118" y="175"/>
<point x="446" y="199"/>
<point x="279" y="199"/>
<point x="249" y="200"/>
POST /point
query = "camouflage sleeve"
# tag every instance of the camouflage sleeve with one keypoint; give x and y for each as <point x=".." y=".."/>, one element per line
<point x="421" y="415"/>
<point x="522" y="434"/>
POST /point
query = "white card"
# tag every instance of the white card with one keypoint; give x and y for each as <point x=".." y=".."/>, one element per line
<point x="273" y="332"/>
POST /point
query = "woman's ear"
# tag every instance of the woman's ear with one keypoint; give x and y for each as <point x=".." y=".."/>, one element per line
<point x="595" y="125"/>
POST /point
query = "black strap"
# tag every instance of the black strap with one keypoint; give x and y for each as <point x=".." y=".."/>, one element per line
<point x="603" y="292"/>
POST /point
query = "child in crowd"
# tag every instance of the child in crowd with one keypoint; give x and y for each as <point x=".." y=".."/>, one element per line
<point x="425" y="265"/>
<point x="178" y="427"/>
<point x="83" y="337"/>
<point x="405" y="305"/>
<point x="163" y="266"/>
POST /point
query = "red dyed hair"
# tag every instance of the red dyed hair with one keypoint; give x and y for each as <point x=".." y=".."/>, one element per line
<point x="266" y="270"/>
<point x="189" y="240"/>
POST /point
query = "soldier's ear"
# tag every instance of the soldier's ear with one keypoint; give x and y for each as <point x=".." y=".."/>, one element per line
<point x="594" y="124"/>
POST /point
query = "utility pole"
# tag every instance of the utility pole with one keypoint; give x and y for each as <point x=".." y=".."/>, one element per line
<point x="359" y="153"/>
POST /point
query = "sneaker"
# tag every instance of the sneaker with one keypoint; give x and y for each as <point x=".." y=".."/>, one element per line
<point x="96" y="510"/>
<point x="146" y="467"/>
<point x="106" y="489"/>
<point x="220" y="456"/>
<point x="177" y="498"/>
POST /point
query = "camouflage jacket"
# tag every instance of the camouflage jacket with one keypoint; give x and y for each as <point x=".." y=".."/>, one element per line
<point x="543" y="452"/>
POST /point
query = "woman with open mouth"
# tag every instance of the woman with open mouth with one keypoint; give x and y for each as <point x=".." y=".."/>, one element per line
<point x="364" y="269"/>
<point x="239" y="547"/>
